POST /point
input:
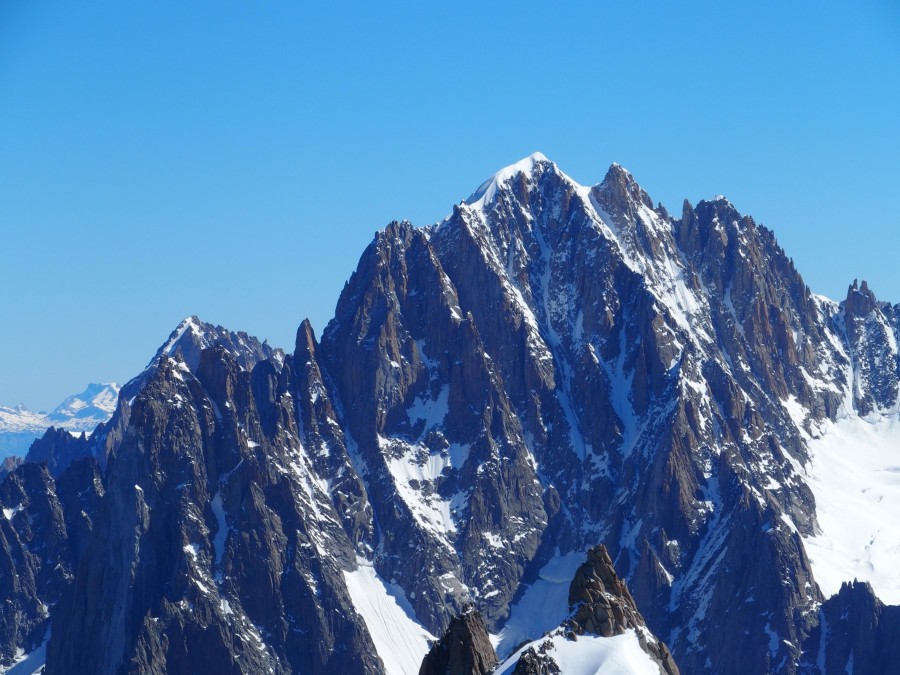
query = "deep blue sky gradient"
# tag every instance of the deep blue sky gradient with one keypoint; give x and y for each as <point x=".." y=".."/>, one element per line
<point x="233" y="159"/>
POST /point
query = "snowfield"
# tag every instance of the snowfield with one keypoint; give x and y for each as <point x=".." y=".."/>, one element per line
<point x="28" y="664"/>
<point x="593" y="655"/>
<point x="855" y="477"/>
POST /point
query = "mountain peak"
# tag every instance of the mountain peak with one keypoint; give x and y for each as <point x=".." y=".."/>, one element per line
<point x="527" y="166"/>
<point x="617" y="171"/>
<point x="192" y="336"/>
<point x="860" y="299"/>
<point x="623" y="188"/>
<point x="95" y="404"/>
<point x="464" y="648"/>
<point x="305" y="343"/>
<point x="190" y="325"/>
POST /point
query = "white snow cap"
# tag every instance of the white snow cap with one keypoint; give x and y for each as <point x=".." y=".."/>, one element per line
<point x="487" y="189"/>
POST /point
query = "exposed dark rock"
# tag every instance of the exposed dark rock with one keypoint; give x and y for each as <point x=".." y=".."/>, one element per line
<point x="602" y="605"/>
<point x="44" y="527"/>
<point x="58" y="448"/>
<point x="860" y="300"/>
<point x="162" y="587"/>
<point x="856" y="634"/>
<point x="188" y="341"/>
<point x="399" y="342"/>
<point x="464" y="649"/>
<point x="868" y="327"/>
<point x="537" y="662"/>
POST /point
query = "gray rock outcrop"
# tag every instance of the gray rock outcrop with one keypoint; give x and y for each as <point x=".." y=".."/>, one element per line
<point x="464" y="649"/>
<point x="856" y="634"/>
<point x="602" y="605"/>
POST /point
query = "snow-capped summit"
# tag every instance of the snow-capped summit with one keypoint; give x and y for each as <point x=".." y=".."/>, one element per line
<point x="526" y="166"/>
<point x="19" y="426"/>
<point x="98" y="402"/>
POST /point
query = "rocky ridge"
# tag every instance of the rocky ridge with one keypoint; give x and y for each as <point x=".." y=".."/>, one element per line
<point x="856" y="633"/>
<point x="602" y="605"/>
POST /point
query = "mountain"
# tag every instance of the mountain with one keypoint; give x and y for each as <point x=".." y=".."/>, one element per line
<point x="19" y="427"/>
<point x="604" y="631"/>
<point x="551" y="367"/>
<point x="94" y="405"/>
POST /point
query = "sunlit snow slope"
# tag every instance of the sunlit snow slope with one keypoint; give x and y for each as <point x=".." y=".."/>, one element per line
<point x="399" y="639"/>
<point x="592" y="655"/>
<point x="855" y="477"/>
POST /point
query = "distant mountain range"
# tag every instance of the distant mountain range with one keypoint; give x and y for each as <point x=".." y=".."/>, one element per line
<point x="19" y="426"/>
<point x="560" y="431"/>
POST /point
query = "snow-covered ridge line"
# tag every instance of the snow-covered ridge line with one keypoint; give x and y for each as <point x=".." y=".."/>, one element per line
<point x="590" y="655"/>
<point x="486" y="191"/>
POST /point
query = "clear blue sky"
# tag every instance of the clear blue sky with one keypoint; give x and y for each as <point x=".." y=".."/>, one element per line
<point x="233" y="159"/>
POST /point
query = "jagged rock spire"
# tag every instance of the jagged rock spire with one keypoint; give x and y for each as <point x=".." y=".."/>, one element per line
<point x="860" y="299"/>
<point x="464" y="649"/>
<point x="601" y="604"/>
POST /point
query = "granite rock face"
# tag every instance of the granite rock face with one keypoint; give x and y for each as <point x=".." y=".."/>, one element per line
<point x="550" y="366"/>
<point x="601" y="604"/>
<point x="871" y="329"/>
<point x="537" y="661"/>
<point x="213" y="547"/>
<point x="44" y="528"/>
<point x="856" y="634"/>
<point x="58" y="448"/>
<point x="464" y="649"/>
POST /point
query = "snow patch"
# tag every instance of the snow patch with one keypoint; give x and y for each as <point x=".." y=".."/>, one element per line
<point x="543" y="605"/>
<point x="432" y="512"/>
<point x="400" y="640"/>
<point x="222" y="531"/>
<point x="31" y="663"/>
<point x="9" y="514"/>
<point x="432" y="412"/>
